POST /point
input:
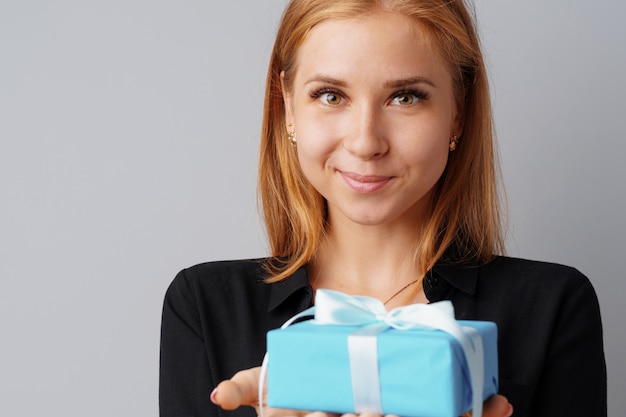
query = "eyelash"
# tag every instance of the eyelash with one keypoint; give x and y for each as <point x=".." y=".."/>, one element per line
<point x="419" y="95"/>
<point x="316" y="94"/>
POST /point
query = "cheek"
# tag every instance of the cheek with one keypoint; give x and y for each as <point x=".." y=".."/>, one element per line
<point x="317" y="139"/>
<point x="425" y="156"/>
<point x="314" y="162"/>
<point x="425" y="146"/>
<point x="312" y="153"/>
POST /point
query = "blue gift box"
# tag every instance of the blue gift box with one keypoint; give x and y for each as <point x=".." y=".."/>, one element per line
<point x="422" y="372"/>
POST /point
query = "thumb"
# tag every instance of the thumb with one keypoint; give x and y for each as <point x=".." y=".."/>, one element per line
<point x="497" y="406"/>
<point x="241" y="389"/>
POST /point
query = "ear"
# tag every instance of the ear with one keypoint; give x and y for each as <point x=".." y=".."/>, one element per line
<point x="287" y="100"/>
<point x="459" y="121"/>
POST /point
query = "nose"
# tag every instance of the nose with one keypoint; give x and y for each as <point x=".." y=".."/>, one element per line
<point x="366" y="139"/>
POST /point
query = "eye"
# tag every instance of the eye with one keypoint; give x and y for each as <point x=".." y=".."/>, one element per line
<point x="404" y="99"/>
<point x="332" y="99"/>
<point x="408" y="98"/>
<point x="329" y="97"/>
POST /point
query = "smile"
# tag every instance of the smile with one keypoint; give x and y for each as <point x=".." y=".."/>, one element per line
<point x="364" y="183"/>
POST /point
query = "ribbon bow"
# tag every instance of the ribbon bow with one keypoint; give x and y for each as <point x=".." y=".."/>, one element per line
<point x="332" y="307"/>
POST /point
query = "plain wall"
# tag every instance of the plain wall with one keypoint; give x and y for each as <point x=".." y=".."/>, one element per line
<point x="128" y="141"/>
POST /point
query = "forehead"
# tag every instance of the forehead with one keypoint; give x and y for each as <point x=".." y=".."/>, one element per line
<point x="382" y="42"/>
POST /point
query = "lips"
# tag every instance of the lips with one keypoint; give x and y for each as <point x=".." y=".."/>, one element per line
<point x="365" y="183"/>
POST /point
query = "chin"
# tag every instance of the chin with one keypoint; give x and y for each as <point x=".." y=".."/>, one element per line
<point x="372" y="219"/>
<point x="381" y="216"/>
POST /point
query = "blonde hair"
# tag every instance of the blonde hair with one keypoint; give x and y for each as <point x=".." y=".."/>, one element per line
<point x="465" y="212"/>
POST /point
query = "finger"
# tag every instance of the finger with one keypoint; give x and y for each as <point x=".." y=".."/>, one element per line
<point x="369" y="415"/>
<point x="241" y="389"/>
<point x="497" y="406"/>
<point x="321" y="414"/>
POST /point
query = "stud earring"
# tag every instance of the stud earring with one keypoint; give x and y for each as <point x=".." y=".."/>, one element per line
<point x="453" y="142"/>
<point x="291" y="134"/>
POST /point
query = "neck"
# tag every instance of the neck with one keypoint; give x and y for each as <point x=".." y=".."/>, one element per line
<point x="376" y="261"/>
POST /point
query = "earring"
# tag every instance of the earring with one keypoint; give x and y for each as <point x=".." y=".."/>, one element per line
<point x="291" y="134"/>
<point x="453" y="142"/>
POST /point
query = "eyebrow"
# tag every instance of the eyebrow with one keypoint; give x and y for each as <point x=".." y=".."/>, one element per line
<point x="326" y="79"/>
<point x="408" y="82"/>
<point x="405" y="82"/>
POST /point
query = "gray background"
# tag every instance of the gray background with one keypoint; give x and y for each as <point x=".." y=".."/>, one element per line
<point x="128" y="139"/>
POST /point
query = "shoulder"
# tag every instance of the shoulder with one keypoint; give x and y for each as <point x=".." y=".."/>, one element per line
<point x="537" y="291"/>
<point x="506" y="281"/>
<point x="213" y="297"/>
<point x="233" y="272"/>
<point x="528" y="273"/>
<point x="240" y="268"/>
<point x="218" y="283"/>
<point x="512" y="290"/>
<point x="526" y="266"/>
<point x="535" y="285"/>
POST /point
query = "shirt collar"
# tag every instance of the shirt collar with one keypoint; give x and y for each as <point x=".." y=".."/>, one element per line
<point x="461" y="276"/>
<point x="281" y="291"/>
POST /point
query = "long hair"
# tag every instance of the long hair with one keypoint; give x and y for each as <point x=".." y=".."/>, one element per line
<point x="465" y="212"/>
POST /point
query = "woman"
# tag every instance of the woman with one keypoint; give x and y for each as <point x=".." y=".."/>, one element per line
<point x="378" y="178"/>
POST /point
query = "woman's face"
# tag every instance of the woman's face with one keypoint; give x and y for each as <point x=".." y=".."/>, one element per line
<point x="373" y="109"/>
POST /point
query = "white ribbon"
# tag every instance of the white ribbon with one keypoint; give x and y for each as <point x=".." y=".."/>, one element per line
<point x="332" y="307"/>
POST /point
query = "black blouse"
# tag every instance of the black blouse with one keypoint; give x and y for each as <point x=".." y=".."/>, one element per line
<point x="551" y="358"/>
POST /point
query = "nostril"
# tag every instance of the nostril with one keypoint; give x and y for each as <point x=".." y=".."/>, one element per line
<point x="366" y="148"/>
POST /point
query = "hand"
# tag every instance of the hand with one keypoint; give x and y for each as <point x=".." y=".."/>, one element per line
<point x="243" y="387"/>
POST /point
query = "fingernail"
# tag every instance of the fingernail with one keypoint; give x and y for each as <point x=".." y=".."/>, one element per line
<point x="510" y="413"/>
<point x="214" y="396"/>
